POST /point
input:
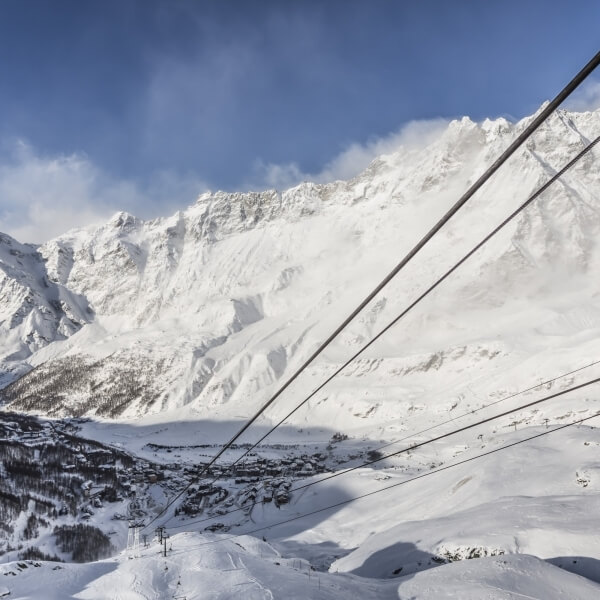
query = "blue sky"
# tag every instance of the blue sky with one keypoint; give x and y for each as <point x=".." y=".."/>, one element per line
<point x="141" y="105"/>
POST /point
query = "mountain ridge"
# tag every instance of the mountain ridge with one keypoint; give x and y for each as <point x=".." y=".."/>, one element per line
<point x="222" y="300"/>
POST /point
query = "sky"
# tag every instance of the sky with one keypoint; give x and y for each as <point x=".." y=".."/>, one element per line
<point x="141" y="105"/>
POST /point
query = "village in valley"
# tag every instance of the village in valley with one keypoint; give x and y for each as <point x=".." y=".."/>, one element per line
<point x="63" y="481"/>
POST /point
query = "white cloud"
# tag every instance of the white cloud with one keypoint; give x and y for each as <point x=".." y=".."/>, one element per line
<point x="42" y="197"/>
<point x="353" y="159"/>
<point x="276" y="176"/>
<point x="587" y="98"/>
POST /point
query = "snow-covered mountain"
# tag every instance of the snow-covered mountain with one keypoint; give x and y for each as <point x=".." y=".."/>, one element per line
<point x="34" y="309"/>
<point x="206" y="312"/>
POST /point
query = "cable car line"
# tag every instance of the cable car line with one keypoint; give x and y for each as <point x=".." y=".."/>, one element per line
<point x="484" y="406"/>
<point x="430" y="289"/>
<point x="513" y="147"/>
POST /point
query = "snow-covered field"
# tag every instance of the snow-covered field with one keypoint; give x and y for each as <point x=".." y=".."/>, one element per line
<point x="168" y="333"/>
<point x="250" y="568"/>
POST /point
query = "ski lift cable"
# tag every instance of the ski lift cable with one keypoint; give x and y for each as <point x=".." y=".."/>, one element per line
<point x="430" y="289"/>
<point x="513" y="147"/>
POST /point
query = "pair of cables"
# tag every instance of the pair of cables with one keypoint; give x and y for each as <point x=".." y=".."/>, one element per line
<point x="513" y="147"/>
<point x="428" y="291"/>
<point x="494" y="232"/>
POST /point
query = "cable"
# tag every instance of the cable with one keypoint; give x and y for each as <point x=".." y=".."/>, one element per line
<point x="394" y="485"/>
<point x="522" y="207"/>
<point x="430" y="289"/>
<point x="412" y="447"/>
<point x="513" y="147"/>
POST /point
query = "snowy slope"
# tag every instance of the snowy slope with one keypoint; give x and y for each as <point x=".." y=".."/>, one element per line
<point x="247" y="568"/>
<point x="504" y="578"/>
<point x="539" y="498"/>
<point x="252" y="569"/>
<point x="34" y="310"/>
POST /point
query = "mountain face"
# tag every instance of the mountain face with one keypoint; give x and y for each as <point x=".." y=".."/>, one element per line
<point x="35" y="310"/>
<point x="204" y="313"/>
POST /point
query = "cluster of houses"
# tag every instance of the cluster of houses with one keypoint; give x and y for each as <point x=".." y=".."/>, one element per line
<point x="261" y="480"/>
<point x="141" y="473"/>
<point x="200" y="498"/>
<point x="217" y="500"/>
<point x="254" y="468"/>
<point x="275" y="490"/>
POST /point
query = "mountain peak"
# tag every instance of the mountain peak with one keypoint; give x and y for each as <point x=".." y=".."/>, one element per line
<point x="124" y="221"/>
